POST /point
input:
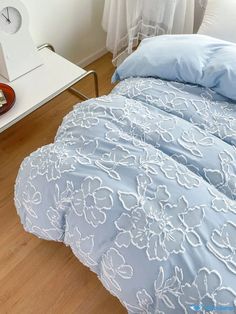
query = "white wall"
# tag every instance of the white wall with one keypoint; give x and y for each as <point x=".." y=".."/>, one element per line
<point x="72" y="26"/>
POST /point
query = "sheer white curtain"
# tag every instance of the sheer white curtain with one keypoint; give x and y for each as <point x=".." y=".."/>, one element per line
<point x="200" y="6"/>
<point x="129" y="21"/>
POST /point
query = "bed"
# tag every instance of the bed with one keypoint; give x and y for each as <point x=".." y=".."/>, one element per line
<point x="141" y="183"/>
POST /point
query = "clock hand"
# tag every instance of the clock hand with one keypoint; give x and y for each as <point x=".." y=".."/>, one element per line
<point x="8" y="14"/>
<point x="6" y="18"/>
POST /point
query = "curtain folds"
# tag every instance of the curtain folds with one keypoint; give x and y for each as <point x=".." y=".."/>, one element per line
<point x="129" y="21"/>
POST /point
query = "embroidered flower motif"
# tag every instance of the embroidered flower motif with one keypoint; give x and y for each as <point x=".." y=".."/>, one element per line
<point x="164" y="128"/>
<point x="42" y="232"/>
<point x="166" y="293"/>
<point x="30" y="198"/>
<point x="151" y="222"/>
<point x="228" y="161"/>
<point x="85" y="150"/>
<point x="87" y="116"/>
<point x="133" y="118"/>
<point x="181" y="174"/>
<point x="148" y="225"/>
<point x="173" y="295"/>
<point x="115" y="135"/>
<point x="62" y="204"/>
<point x="193" y="219"/>
<point x="132" y="88"/>
<point x="91" y="201"/>
<point x="214" y="177"/>
<point x="134" y="228"/>
<point x="111" y="162"/>
<point x="132" y="113"/>
<point x="223" y="245"/>
<point x="51" y="160"/>
<point x="82" y="247"/>
<point x="149" y="162"/>
<point x="216" y="116"/>
<point x="193" y="139"/>
<point x="206" y="290"/>
<point x="114" y="268"/>
<point x="169" y="102"/>
<point x="220" y="203"/>
<point x="166" y="290"/>
<point x="181" y="159"/>
<point x="166" y="99"/>
<point x="166" y="236"/>
<point x="145" y="304"/>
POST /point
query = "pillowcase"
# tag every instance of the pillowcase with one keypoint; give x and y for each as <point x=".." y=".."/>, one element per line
<point x="195" y="59"/>
<point x="220" y="20"/>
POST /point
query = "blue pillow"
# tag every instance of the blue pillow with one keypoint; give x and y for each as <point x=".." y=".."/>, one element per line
<point x="194" y="59"/>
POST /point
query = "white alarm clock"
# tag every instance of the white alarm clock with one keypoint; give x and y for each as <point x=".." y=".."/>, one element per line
<point x="18" y="54"/>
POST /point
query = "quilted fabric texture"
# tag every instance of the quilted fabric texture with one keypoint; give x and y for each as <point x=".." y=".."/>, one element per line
<point x="141" y="184"/>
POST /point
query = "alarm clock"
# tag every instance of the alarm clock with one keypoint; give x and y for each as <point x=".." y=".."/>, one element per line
<point x="18" y="54"/>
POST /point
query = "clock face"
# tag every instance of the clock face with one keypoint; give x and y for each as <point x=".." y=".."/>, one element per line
<point x="10" y="20"/>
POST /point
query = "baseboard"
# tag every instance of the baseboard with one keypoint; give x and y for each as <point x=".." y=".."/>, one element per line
<point x="94" y="56"/>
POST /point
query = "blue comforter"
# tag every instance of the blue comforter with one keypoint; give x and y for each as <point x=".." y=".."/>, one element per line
<point x="141" y="184"/>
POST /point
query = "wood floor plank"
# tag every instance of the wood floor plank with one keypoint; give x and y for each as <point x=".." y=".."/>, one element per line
<point x="36" y="276"/>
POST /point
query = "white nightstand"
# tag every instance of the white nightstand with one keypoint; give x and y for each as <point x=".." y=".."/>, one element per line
<point x="42" y="84"/>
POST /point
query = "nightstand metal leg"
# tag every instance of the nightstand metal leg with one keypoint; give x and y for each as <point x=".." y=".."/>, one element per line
<point x="81" y="95"/>
<point x="88" y="73"/>
<point x="49" y="46"/>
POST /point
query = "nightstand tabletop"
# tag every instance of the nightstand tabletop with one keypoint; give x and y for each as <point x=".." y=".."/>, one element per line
<point x="40" y="85"/>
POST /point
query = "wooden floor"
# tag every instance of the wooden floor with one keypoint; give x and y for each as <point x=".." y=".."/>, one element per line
<point x="37" y="276"/>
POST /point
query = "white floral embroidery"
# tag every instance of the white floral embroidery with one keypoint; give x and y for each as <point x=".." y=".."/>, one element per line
<point x="194" y="138"/>
<point x="182" y="175"/>
<point x="91" y="201"/>
<point x="141" y="184"/>
<point x="52" y="161"/>
<point x="169" y="102"/>
<point x="82" y="247"/>
<point x="206" y="290"/>
<point x="228" y="162"/>
<point x="172" y="295"/>
<point x="220" y="203"/>
<point x="192" y="219"/>
<point x="150" y="163"/>
<point x="87" y="115"/>
<point x="181" y="159"/>
<point x="111" y="162"/>
<point x="152" y="223"/>
<point x="62" y="204"/>
<point x="114" y="268"/>
<point x="223" y="245"/>
<point x="164" y="127"/>
<point x="30" y="198"/>
<point x="166" y="238"/>
<point x="134" y="88"/>
<point x="54" y="234"/>
<point x="214" y="116"/>
<point x="85" y="150"/>
<point x="115" y="134"/>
